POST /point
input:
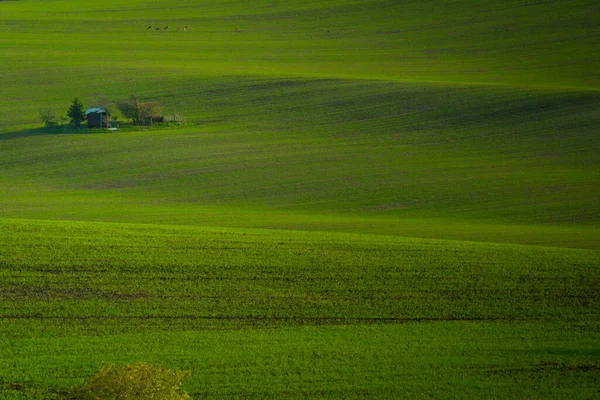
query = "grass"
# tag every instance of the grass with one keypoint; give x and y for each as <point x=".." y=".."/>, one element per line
<point x="469" y="359"/>
<point x="360" y="156"/>
<point x="89" y="50"/>
<point x="262" y="313"/>
<point x="366" y="199"/>
<point x="89" y="269"/>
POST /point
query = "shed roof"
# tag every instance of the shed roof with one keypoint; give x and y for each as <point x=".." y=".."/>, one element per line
<point x="96" y="110"/>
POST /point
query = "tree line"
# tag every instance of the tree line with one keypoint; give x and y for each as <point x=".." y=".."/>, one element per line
<point x="139" y="112"/>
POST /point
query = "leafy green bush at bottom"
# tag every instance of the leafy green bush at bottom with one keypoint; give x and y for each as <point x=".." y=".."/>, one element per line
<point x="138" y="381"/>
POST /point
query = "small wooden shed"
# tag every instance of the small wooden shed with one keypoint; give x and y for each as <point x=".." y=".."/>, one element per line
<point x="97" y="117"/>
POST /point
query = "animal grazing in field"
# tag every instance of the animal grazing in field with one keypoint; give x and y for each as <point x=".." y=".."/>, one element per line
<point x="157" y="29"/>
<point x="166" y="28"/>
<point x="150" y="27"/>
<point x="185" y="28"/>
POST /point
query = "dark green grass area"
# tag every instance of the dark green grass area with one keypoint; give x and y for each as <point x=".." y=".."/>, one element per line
<point x="330" y="155"/>
<point x="258" y="313"/>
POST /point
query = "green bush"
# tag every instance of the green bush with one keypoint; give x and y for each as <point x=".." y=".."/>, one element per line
<point x="48" y="118"/>
<point x="138" y="381"/>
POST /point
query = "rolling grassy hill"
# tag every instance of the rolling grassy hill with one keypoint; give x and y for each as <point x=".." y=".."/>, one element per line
<point x="365" y="199"/>
<point x="366" y="157"/>
<point x="273" y="313"/>
<point x="54" y="50"/>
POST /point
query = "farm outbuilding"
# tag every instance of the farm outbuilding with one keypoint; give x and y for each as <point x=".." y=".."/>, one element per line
<point x="97" y="117"/>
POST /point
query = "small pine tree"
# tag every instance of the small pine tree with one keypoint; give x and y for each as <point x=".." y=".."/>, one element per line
<point x="76" y="113"/>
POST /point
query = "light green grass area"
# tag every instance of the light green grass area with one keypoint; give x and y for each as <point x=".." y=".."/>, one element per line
<point x="55" y="50"/>
<point x="363" y="199"/>
<point x="440" y="360"/>
<point x="263" y="313"/>
<point x="221" y="273"/>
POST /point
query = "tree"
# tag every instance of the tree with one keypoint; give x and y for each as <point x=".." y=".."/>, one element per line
<point x="140" y="113"/>
<point x="76" y="113"/>
<point x="103" y="102"/>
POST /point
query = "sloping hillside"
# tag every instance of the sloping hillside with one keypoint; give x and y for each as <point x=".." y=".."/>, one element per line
<point x="289" y="237"/>
<point x="330" y="155"/>
<point x="56" y="50"/>
<point x="314" y="115"/>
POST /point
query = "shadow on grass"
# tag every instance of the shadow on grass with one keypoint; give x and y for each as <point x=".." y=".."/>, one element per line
<point x="33" y="390"/>
<point x="59" y="130"/>
<point x="71" y="130"/>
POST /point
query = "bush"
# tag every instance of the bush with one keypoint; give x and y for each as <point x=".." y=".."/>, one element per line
<point x="141" y="113"/>
<point x="48" y="118"/>
<point x="138" y="381"/>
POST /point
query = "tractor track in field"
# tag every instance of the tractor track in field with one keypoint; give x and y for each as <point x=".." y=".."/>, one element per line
<point x="265" y="318"/>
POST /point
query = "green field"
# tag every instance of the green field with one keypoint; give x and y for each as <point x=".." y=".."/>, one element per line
<point x="363" y="199"/>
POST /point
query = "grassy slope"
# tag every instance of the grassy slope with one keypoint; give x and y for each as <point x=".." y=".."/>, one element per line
<point x="177" y="271"/>
<point x="476" y="120"/>
<point x="375" y="156"/>
<point x="90" y="49"/>
<point x="342" y="155"/>
<point x="263" y="313"/>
